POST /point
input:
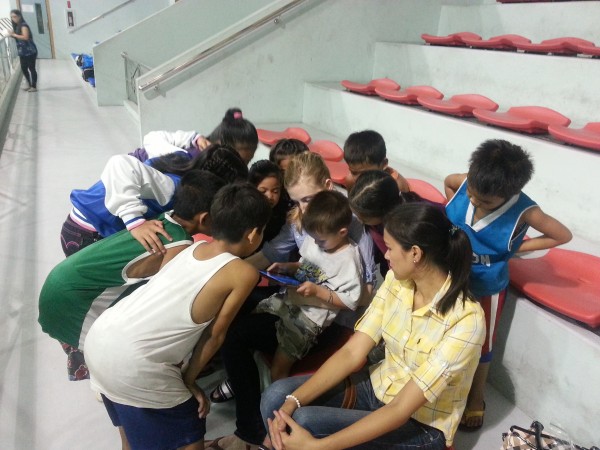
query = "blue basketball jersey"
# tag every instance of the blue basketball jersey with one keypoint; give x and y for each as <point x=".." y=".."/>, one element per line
<point x="494" y="238"/>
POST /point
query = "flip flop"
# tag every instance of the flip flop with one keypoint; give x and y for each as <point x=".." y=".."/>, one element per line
<point x="222" y="393"/>
<point x="469" y="414"/>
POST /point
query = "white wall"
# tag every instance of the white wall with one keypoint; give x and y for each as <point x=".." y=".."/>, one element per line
<point x="332" y="40"/>
<point x="162" y="36"/>
<point x="83" y="40"/>
<point x="537" y="21"/>
<point x="5" y="7"/>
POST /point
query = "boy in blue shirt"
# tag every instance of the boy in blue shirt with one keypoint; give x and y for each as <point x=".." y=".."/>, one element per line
<point x="487" y="203"/>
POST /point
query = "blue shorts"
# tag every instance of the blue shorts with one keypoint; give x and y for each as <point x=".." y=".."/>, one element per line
<point x="158" y="429"/>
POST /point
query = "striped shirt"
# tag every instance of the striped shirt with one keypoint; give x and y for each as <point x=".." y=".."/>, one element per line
<point x="439" y="353"/>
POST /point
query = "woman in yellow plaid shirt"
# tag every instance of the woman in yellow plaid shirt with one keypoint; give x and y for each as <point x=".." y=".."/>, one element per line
<point x="433" y="332"/>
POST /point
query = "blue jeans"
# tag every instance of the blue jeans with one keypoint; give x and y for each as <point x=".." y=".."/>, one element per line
<point x="325" y="415"/>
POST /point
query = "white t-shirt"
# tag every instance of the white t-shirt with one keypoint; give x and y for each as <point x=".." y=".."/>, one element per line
<point x="133" y="350"/>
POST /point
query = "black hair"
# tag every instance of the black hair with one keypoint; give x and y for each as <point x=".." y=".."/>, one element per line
<point x="365" y="147"/>
<point x="499" y="168"/>
<point x="328" y="212"/>
<point x="221" y="160"/>
<point x="263" y="169"/>
<point x="234" y="129"/>
<point x="376" y="193"/>
<point x="238" y="208"/>
<point x="443" y="245"/>
<point x="16" y="26"/>
<point x="286" y="148"/>
<point x="195" y="193"/>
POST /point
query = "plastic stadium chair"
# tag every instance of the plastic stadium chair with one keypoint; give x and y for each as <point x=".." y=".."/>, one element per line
<point x="586" y="48"/>
<point x="409" y="95"/>
<point x="556" y="46"/>
<point x="338" y="170"/>
<point x="459" y="105"/>
<point x="564" y="280"/>
<point x="502" y="42"/>
<point x="369" y="88"/>
<point x="269" y="137"/>
<point x="454" y="39"/>
<point x="328" y="150"/>
<point x="426" y="191"/>
<point x="588" y="136"/>
<point x="528" y="119"/>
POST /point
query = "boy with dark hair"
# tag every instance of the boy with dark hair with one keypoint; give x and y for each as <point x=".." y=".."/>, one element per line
<point x="88" y="282"/>
<point x="135" y="348"/>
<point x="365" y="150"/>
<point x="284" y="150"/>
<point x="487" y="203"/>
<point x="330" y="271"/>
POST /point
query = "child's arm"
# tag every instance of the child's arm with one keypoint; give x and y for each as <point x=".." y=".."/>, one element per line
<point x="311" y="294"/>
<point x="285" y="268"/>
<point x="158" y="143"/>
<point x="126" y="181"/>
<point x="553" y="232"/>
<point x="452" y="183"/>
<point x="212" y="338"/>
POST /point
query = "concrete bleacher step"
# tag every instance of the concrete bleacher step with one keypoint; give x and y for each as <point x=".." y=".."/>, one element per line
<point x="509" y="78"/>
<point x="436" y="145"/>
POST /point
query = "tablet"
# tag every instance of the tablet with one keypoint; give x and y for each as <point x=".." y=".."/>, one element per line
<point x="280" y="278"/>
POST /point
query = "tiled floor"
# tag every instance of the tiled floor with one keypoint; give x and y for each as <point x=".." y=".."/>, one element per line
<point x="58" y="140"/>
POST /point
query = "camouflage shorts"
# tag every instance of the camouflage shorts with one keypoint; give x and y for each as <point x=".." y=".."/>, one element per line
<point x="296" y="333"/>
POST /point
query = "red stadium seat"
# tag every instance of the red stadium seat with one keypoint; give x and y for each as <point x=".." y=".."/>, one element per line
<point x="564" y="280"/>
<point x="587" y="48"/>
<point x="459" y="105"/>
<point x="556" y="46"/>
<point x="268" y="137"/>
<point x="338" y="170"/>
<point x="328" y="150"/>
<point x="202" y="237"/>
<point x="454" y="39"/>
<point x="426" y="191"/>
<point x="502" y="42"/>
<point x="588" y="136"/>
<point x="409" y="95"/>
<point x="369" y="88"/>
<point x="528" y="119"/>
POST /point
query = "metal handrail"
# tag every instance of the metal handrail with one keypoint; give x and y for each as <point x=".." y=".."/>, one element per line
<point x="124" y="55"/>
<point x="106" y="13"/>
<point x="220" y="45"/>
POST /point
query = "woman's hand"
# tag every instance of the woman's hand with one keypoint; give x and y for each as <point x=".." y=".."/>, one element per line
<point x="297" y="439"/>
<point x="203" y="401"/>
<point x="147" y="235"/>
<point x="202" y="142"/>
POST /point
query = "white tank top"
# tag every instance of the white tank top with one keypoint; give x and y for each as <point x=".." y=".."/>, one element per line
<point x="133" y="349"/>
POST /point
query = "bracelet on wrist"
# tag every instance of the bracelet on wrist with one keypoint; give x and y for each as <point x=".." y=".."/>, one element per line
<point x="330" y="299"/>
<point x="293" y="397"/>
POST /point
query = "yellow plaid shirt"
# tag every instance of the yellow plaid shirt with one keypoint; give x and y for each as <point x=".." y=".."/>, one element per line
<point x="439" y="353"/>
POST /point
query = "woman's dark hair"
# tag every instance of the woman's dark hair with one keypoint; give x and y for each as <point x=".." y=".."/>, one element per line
<point x="195" y="193"/>
<point x="237" y="208"/>
<point x="286" y="148"/>
<point x="263" y="169"/>
<point x="376" y="193"/>
<point x="222" y="160"/>
<point x="443" y="244"/>
<point x="234" y="129"/>
<point x="19" y="14"/>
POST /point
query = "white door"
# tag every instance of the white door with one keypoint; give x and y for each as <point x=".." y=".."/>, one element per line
<point x="36" y="16"/>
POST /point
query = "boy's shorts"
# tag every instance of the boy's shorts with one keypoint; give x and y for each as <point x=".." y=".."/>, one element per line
<point x="158" y="429"/>
<point x="296" y="333"/>
<point x="492" y="307"/>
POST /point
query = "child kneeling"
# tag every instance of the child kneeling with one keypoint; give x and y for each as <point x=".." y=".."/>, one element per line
<point x="134" y="350"/>
<point x="330" y="270"/>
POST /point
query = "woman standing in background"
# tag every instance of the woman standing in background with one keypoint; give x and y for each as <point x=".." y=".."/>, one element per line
<point x="25" y="47"/>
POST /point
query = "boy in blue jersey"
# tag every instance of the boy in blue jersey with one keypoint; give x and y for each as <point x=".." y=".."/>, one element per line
<point x="487" y="203"/>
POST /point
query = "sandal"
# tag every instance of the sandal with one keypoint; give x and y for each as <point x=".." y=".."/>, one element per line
<point x="222" y="393"/>
<point x="469" y="414"/>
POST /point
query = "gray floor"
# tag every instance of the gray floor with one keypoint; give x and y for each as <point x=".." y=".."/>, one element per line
<point x="59" y="140"/>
